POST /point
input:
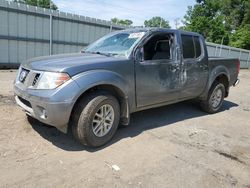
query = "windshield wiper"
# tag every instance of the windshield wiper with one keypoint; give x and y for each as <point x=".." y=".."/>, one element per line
<point x="102" y="53"/>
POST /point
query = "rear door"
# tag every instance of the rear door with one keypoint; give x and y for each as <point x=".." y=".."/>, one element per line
<point x="194" y="70"/>
<point x="157" y="75"/>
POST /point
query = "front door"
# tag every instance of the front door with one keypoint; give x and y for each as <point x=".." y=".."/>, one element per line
<point x="158" y="74"/>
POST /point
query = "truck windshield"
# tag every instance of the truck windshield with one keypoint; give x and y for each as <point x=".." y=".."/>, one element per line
<point x="115" y="44"/>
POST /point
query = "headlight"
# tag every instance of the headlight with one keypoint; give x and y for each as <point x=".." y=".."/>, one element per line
<point x="18" y="74"/>
<point x="51" y="80"/>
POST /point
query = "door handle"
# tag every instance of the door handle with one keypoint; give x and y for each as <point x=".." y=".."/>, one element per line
<point x="174" y="67"/>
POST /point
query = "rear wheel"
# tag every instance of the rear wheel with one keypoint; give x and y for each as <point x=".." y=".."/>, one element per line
<point x="215" y="98"/>
<point x="95" y="119"/>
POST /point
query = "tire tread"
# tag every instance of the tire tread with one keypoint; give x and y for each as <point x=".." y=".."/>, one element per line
<point x="204" y="104"/>
<point x="81" y="115"/>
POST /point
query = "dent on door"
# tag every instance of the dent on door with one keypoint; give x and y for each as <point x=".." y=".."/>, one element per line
<point x="157" y="74"/>
<point x="156" y="82"/>
<point x="167" y="77"/>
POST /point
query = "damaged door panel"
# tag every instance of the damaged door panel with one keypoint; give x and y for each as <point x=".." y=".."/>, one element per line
<point x="194" y="67"/>
<point x="158" y="71"/>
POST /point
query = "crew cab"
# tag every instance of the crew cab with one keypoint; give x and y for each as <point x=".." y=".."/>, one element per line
<point x="131" y="70"/>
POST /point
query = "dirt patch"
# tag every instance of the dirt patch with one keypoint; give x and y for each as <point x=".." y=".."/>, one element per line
<point x="230" y="156"/>
<point x="7" y="100"/>
<point x="173" y="146"/>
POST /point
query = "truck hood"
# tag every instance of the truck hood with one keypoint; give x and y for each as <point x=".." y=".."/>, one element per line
<point x="71" y="63"/>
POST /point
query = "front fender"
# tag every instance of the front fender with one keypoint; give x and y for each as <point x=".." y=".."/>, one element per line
<point x="92" y="78"/>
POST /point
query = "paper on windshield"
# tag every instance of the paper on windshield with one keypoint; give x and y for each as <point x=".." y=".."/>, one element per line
<point x="136" y="35"/>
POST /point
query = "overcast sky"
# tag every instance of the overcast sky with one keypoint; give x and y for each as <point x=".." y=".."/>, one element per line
<point x="135" y="10"/>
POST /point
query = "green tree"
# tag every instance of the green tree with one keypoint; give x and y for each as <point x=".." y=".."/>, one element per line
<point x="220" y="21"/>
<point x="157" y="22"/>
<point x="241" y="38"/>
<point x="39" y="3"/>
<point x="205" y="19"/>
<point x="122" y="22"/>
<point x="236" y="13"/>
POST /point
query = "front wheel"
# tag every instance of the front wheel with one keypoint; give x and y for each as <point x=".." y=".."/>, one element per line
<point x="95" y="119"/>
<point x="215" y="98"/>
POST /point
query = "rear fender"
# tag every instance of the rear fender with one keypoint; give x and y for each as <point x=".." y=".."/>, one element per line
<point x="215" y="73"/>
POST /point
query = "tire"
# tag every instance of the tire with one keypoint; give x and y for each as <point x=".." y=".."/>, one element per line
<point x="214" y="99"/>
<point x="88" y="119"/>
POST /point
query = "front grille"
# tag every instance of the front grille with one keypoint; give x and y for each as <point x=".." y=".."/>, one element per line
<point x="27" y="103"/>
<point x="29" y="78"/>
<point x="35" y="79"/>
<point x="23" y="75"/>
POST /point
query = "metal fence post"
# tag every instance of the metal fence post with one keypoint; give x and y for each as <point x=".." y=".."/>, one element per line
<point x="110" y="29"/>
<point x="229" y="52"/>
<point x="50" y="33"/>
<point x="215" y="52"/>
<point x="220" y="49"/>
<point x="248" y="65"/>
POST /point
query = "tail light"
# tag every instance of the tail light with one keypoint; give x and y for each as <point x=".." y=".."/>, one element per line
<point x="238" y="66"/>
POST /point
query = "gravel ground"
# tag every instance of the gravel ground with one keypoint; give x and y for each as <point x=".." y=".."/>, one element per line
<point x="172" y="146"/>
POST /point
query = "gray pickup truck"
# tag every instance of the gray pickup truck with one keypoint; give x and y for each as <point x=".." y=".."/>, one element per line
<point x="121" y="73"/>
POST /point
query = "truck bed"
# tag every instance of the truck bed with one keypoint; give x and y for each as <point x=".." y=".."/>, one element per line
<point x="232" y="65"/>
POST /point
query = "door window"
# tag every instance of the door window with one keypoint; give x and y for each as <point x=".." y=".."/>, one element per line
<point x="159" y="47"/>
<point x="191" y="46"/>
<point x="197" y="45"/>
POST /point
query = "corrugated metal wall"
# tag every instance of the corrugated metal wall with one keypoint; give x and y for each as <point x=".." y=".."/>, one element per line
<point x="25" y="32"/>
<point x="218" y="50"/>
<point x="28" y="31"/>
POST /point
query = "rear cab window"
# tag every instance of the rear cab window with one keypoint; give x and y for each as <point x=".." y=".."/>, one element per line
<point x="191" y="46"/>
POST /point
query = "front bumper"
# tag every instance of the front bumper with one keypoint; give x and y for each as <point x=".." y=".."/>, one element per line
<point x="49" y="107"/>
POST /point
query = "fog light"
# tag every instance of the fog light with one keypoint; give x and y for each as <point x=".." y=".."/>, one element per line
<point x="43" y="112"/>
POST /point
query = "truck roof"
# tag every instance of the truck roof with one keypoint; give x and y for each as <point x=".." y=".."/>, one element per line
<point x="158" y="29"/>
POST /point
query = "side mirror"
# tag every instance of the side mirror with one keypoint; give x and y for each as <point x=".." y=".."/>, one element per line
<point x="139" y="55"/>
<point x="83" y="50"/>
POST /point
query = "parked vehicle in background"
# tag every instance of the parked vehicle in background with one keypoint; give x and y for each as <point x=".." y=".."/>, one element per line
<point x="121" y="73"/>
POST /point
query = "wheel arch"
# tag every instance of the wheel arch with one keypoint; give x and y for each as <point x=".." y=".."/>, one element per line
<point x="113" y="90"/>
<point x="219" y="74"/>
<point x="222" y="78"/>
